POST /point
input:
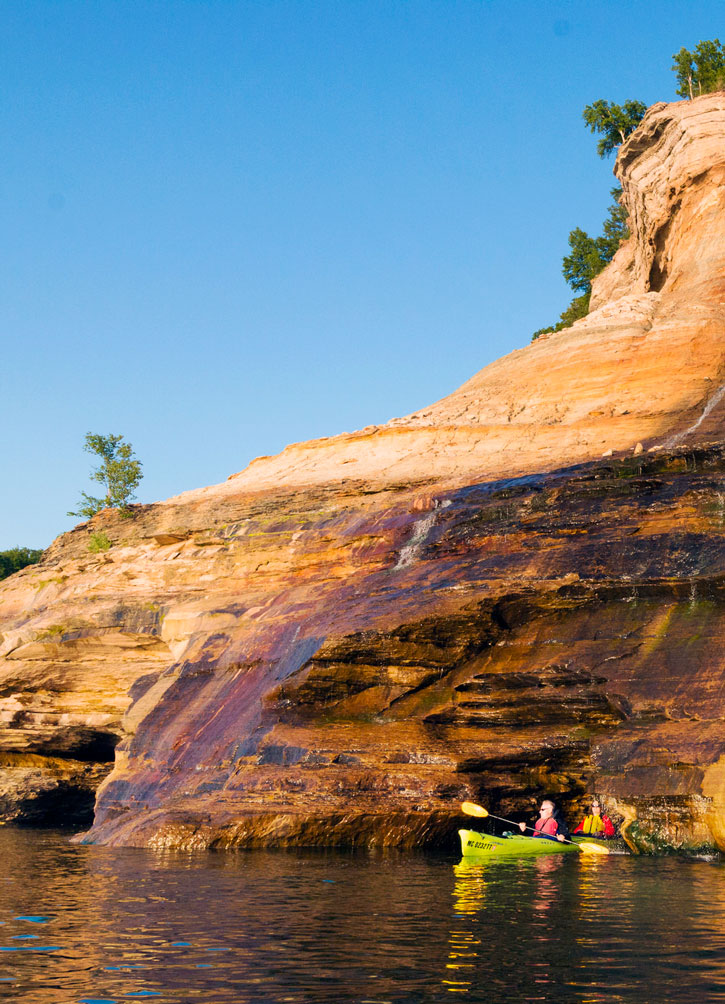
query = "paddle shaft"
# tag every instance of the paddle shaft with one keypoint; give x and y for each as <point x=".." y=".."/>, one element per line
<point x="510" y="822"/>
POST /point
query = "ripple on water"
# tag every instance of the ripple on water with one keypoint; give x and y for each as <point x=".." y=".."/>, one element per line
<point x="325" y="927"/>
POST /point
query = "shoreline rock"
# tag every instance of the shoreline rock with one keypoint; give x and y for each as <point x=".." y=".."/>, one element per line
<point x="515" y="592"/>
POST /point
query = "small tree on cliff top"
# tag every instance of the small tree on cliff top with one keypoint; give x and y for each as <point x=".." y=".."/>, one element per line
<point x="615" y="122"/>
<point x="700" y="71"/>
<point x="119" y="472"/>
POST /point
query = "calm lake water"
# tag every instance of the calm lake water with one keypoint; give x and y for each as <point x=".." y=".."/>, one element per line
<point x="86" y="924"/>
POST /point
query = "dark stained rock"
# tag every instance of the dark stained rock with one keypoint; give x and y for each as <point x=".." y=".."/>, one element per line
<point x="519" y="677"/>
<point x="516" y="592"/>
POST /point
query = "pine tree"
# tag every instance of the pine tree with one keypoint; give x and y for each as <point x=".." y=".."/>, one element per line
<point x="583" y="263"/>
<point x="615" y="227"/>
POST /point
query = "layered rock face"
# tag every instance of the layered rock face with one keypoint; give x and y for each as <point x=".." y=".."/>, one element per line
<point x="516" y="592"/>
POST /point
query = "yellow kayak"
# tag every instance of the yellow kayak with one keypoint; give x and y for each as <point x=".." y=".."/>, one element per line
<point x="481" y="845"/>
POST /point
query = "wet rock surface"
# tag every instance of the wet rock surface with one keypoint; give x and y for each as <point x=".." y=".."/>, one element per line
<point x="342" y="643"/>
<point x="558" y="634"/>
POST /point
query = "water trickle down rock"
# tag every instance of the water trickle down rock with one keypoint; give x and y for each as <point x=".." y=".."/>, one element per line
<point x="710" y="406"/>
<point x="298" y="657"/>
<point x="410" y="552"/>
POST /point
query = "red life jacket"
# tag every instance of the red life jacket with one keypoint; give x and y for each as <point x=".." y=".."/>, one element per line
<point x="546" y="827"/>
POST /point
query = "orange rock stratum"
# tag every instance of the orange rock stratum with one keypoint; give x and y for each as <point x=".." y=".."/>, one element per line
<point x="517" y="591"/>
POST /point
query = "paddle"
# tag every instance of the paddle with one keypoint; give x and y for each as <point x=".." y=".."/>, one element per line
<point x="471" y="809"/>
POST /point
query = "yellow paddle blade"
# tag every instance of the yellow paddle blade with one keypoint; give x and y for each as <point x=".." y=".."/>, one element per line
<point x="589" y="848"/>
<point x="471" y="809"/>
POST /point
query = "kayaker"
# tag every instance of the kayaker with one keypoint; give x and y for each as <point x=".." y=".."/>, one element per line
<point x="596" y="823"/>
<point x="547" y="825"/>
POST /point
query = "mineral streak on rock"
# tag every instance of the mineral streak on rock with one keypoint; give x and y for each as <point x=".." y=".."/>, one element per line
<point x="339" y="644"/>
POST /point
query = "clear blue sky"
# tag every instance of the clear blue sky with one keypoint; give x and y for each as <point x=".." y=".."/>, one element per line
<point x="228" y="226"/>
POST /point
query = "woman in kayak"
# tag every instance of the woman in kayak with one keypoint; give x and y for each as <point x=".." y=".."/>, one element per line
<point x="596" y="823"/>
<point x="548" y="825"/>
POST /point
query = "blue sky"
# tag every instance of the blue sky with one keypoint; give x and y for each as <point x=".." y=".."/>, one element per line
<point x="228" y="226"/>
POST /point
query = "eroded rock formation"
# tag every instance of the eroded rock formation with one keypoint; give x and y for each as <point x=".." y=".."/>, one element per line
<point x="519" y="590"/>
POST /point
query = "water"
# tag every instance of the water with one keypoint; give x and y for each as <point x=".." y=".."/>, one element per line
<point x="710" y="406"/>
<point x="421" y="531"/>
<point x="86" y="924"/>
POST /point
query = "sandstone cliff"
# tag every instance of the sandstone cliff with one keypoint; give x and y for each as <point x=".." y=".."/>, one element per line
<point x="518" y="590"/>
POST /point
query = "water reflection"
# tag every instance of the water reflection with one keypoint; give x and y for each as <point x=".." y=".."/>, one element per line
<point x="587" y="929"/>
<point x="469" y="891"/>
<point x="85" y="924"/>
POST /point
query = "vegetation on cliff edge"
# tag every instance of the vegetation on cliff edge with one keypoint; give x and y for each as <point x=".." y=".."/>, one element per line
<point x="13" y="560"/>
<point x="614" y="122"/>
<point x="119" y="472"/>
<point x="586" y="259"/>
<point x="699" y="71"/>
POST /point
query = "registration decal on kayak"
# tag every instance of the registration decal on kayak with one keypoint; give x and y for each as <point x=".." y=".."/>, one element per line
<point x="482" y="845"/>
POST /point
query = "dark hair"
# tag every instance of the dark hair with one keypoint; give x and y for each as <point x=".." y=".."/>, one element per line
<point x="558" y="817"/>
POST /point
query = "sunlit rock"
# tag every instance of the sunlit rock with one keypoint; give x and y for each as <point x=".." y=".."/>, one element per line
<point x="515" y="592"/>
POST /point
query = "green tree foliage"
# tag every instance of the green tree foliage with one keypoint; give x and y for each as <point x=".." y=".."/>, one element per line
<point x="590" y="255"/>
<point x="583" y="262"/>
<point x="615" y="228"/>
<point x="16" y="558"/>
<point x="587" y="258"/>
<point x="119" y="473"/>
<point x="615" y="122"/>
<point x="578" y="308"/>
<point x="700" y="71"/>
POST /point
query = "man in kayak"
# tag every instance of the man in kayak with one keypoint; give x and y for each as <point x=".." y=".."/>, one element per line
<point x="547" y="825"/>
<point x="596" y="823"/>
